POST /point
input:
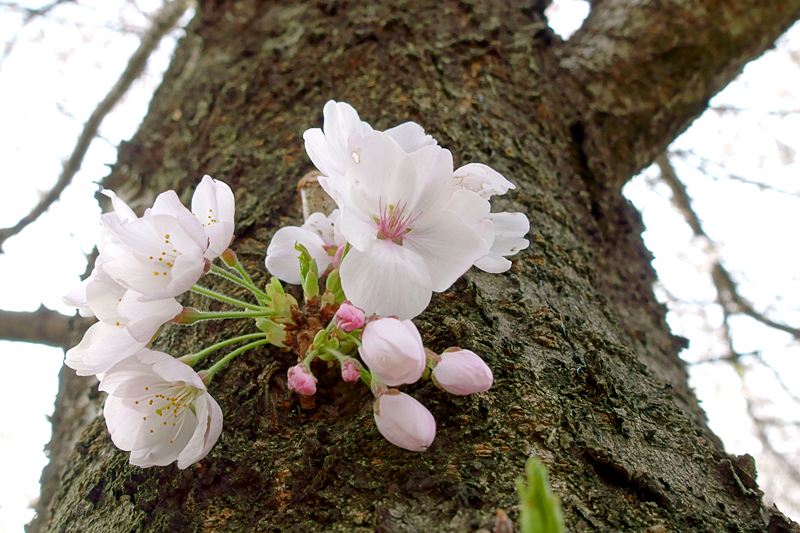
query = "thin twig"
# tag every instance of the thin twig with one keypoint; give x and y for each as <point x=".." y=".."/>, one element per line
<point x="164" y="21"/>
<point x="727" y="289"/>
<point x="685" y="154"/>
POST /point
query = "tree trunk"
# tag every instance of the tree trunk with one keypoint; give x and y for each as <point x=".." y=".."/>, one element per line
<point x="587" y="375"/>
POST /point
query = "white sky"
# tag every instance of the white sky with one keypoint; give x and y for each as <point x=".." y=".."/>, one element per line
<point x="78" y="57"/>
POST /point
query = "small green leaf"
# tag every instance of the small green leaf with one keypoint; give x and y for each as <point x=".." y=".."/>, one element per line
<point x="540" y="509"/>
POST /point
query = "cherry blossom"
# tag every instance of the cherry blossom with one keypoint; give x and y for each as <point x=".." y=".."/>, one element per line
<point x="159" y="410"/>
<point x="393" y="350"/>
<point x="321" y="237"/>
<point x="161" y="254"/>
<point x="462" y="372"/>
<point x="406" y="242"/>
<point x="404" y="421"/>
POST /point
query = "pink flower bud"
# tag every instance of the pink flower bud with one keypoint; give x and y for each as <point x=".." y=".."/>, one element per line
<point x="349" y="318"/>
<point x="393" y="350"/>
<point x="302" y="381"/>
<point x="462" y="372"/>
<point x="351" y="370"/>
<point x="404" y="421"/>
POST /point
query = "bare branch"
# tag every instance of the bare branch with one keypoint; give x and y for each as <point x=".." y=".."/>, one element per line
<point x="43" y="326"/>
<point x="727" y="289"/>
<point x="163" y="23"/>
<point x="761" y="432"/>
<point x="618" y="58"/>
<point x="685" y="154"/>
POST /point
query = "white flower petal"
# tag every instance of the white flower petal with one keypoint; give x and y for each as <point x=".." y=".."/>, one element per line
<point x="341" y="121"/>
<point x="493" y="264"/>
<point x="144" y="317"/>
<point x="214" y="206"/>
<point x="121" y="209"/>
<point x="482" y="179"/>
<point x="102" y="346"/>
<point x="282" y="257"/>
<point x="410" y="136"/>
<point x="386" y="280"/>
<point x="447" y="246"/>
<point x="381" y="171"/>
<point x="434" y="184"/>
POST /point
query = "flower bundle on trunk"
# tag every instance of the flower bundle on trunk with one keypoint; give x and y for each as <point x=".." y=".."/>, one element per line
<point x="407" y="225"/>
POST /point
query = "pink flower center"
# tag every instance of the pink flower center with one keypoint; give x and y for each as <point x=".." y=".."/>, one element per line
<point x="394" y="222"/>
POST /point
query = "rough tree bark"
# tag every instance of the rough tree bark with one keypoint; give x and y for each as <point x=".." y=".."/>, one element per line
<point x="587" y="374"/>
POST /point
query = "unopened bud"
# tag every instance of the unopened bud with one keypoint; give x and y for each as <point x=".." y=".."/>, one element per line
<point x="302" y="381"/>
<point x="349" y="318"/>
<point x="404" y="421"/>
<point x="462" y="372"/>
<point x="351" y="370"/>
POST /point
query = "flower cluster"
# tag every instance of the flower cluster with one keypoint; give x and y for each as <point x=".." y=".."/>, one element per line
<point x="407" y="225"/>
<point x="158" y="407"/>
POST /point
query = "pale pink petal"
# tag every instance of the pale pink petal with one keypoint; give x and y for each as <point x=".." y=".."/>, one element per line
<point x="410" y="136"/>
<point x="121" y="209"/>
<point x="462" y="372"/>
<point x="122" y="422"/>
<point x="341" y="121"/>
<point x="103" y="345"/>
<point x="434" y="184"/>
<point x="103" y="295"/>
<point x="213" y="205"/>
<point x="386" y="280"/>
<point x="380" y="170"/>
<point x="326" y="161"/>
<point x="77" y="298"/>
<point x="482" y="179"/>
<point x="193" y="450"/>
<point x="473" y="210"/>
<point x="393" y="350"/>
<point x="447" y="246"/>
<point x="212" y="432"/>
<point x="404" y="421"/>
<point x="144" y="317"/>
<point x="282" y="257"/>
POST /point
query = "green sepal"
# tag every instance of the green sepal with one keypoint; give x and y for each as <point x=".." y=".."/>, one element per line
<point x="540" y="509"/>
<point x="309" y="273"/>
<point x="310" y="285"/>
<point x="334" y="284"/>
<point x="327" y="298"/>
<point x="275" y="333"/>
<point x="282" y="306"/>
<point x="274" y="287"/>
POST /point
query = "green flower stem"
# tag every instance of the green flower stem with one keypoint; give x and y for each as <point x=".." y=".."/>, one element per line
<point x="209" y="315"/>
<point x="239" y="303"/>
<point x="238" y="351"/>
<point x="192" y="358"/>
<point x="244" y="281"/>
